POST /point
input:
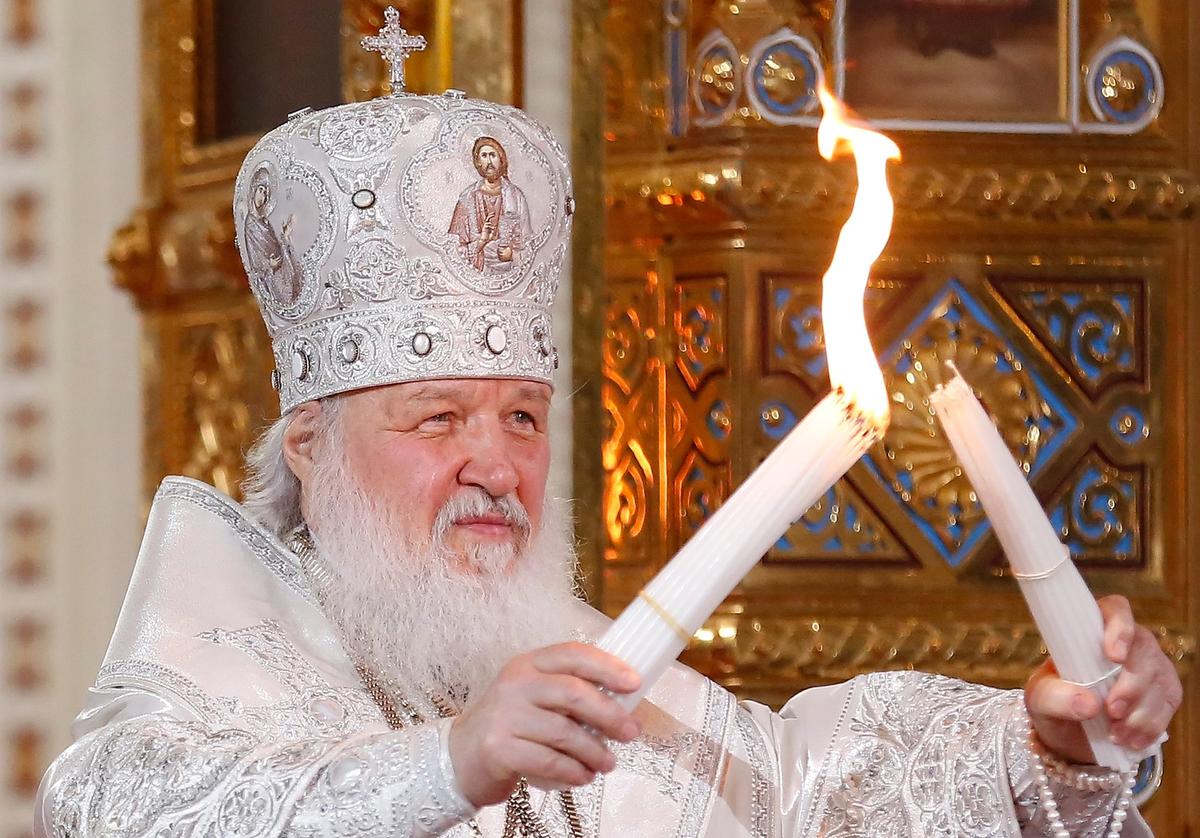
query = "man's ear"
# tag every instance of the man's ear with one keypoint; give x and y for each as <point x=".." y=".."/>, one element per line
<point x="300" y="439"/>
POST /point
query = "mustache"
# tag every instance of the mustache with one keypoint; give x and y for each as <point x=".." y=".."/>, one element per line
<point x="471" y="503"/>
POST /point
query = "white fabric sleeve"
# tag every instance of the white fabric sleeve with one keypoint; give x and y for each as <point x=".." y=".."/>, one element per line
<point x="1084" y="813"/>
<point x="158" y="774"/>
<point x="906" y="754"/>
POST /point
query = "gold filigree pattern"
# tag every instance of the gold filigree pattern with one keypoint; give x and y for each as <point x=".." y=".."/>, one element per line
<point x="841" y="527"/>
<point x="673" y="195"/>
<point x="1094" y="330"/>
<point x="1100" y="513"/>
<point x="628" y="394"/>
<point x="1047" y="267"/>
<point x="224" y="379"/>
<point x="916" y="460"/>
<point x="701" y="422"/>
<point x="770" y="656"/>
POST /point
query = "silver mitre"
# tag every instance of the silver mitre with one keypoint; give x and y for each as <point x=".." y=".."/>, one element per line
<point x="404" y="238"/>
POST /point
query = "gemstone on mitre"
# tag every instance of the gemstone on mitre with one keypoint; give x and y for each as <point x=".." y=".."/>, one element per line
<point x="348" y="349"/>
<point x="299" y="365"/>
<point x="422" y="343"/>
<point x="495" y="339"/>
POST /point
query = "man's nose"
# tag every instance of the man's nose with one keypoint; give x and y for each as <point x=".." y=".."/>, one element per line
<point x="489" y="463"/>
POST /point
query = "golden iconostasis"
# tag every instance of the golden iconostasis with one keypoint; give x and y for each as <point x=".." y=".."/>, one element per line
<point x="1043" y="242"/>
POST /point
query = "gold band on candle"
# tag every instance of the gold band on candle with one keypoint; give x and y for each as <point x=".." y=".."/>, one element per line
<point x="1043" y="574"/>
<point x="664" y="615"/>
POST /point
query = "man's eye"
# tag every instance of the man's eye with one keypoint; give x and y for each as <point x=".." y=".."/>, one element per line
<point x="524" y="417"/>
<point x="439" y="417"/>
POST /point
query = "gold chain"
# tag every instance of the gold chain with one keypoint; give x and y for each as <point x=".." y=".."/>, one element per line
<point x="518" y="812"/>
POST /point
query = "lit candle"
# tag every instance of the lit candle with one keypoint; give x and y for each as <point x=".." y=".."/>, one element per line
<point x="658" y="624"/>
<point x="1062" y="606"/>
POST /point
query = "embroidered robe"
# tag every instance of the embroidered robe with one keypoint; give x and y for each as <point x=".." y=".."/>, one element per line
<point x="226" y="707"/>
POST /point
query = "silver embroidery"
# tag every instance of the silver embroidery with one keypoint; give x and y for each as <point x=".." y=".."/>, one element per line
<point x="764" y="795"/>
<point x="375" y="209"/>
<point x="719" y="706"/>
<point x="365" y="130"/>
<point x="163" y="777"/>
<point x="919" y="755"/>
<point x="364" y="219"/>
<point x="158" y="679"/>
<point x="312" y="706"/>
<point x="661" y="760"/>
<point x="273" y="555"/>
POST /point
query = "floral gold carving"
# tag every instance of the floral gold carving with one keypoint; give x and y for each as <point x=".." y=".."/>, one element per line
<point x="770" y="655"/>
<point x="1052" y="269"/>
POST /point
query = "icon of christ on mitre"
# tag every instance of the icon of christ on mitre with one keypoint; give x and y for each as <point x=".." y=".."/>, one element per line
<point x="385" y="638"/>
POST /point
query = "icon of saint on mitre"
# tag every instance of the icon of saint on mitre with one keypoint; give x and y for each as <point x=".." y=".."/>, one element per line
<point x="491" y="217"/>
<point x="272" y="259"/>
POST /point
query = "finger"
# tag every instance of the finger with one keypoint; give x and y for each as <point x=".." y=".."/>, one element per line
<point x="1149" y="717"/>
<point x="1048" y="695"/>
<point x="546" y="767"/>
<point x="1142" y="667"/>
<point x="1141" y="729"/>
<point x="1119" y="627"/>
<point x="581" y="701"/>
<point x="589" y="663"/>
<point x="566" y="736"/>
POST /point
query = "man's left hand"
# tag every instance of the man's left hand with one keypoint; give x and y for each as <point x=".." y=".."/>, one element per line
<point x="1139" y="706"/>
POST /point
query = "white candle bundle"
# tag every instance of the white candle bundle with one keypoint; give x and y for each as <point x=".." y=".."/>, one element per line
<point x="1062" y="606"/>
<point x="656" y="626"/>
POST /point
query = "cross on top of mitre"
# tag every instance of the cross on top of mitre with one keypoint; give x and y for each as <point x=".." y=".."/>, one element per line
<point x="395" y="45"/>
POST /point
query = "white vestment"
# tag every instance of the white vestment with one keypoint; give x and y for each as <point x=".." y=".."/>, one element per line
<point x="227" y="707"/>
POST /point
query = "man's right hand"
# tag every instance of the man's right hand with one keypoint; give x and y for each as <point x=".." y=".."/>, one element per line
<point x="543" y="719"/>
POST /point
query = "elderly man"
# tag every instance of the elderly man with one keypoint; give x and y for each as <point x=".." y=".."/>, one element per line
<point x="385" y="639"/>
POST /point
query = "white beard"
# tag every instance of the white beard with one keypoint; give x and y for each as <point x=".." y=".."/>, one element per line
<point x="407" y="614"/>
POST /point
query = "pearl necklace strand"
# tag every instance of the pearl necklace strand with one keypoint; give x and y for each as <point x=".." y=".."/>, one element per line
<point x="1046" y="766"/>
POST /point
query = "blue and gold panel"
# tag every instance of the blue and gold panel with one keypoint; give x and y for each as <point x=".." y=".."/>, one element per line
<point x="699" y="321"/>
<point x="786" y="71"/>
<point x="841" y="527"/>
<point x="1061" y="367"/>
<point x="1094" y="330"/>
<point x="700" y="421"/>
<point x="795" y="344"/>
<point x="1099" y="513"/>
<point x="915" y="463"/>
<point x="629" y="451"/>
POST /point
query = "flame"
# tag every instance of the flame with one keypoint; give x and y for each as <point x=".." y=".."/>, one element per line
<point x="852" y="363"/>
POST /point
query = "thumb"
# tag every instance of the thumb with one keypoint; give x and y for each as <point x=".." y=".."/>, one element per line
<point x="1049" y="696"/>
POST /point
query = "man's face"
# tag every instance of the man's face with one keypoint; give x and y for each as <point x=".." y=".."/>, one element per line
<point x="414" y="446"/>
<point x="487" y="162"/>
